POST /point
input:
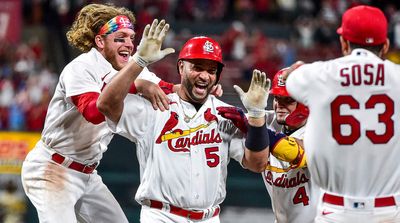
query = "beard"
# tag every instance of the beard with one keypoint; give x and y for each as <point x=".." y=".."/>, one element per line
<point x="188" y="88"/>
<point x="111" y="58"/>
<point x="281" y="119"/>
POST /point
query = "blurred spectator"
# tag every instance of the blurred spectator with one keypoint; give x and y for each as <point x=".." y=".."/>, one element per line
<point x="263" y="55"/>
<point x="305" y="28"/>
<point x="12" y="205"/>
<point x="288" y="10"/>
<point x="233" y="41"/>
<point x="185" y="10"/>
<point x="244" y="10"/>
<point x="287" y="52"/>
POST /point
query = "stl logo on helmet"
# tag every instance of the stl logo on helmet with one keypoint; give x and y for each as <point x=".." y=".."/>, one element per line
<point x="281" y="82"/>
<point x="208" y="47"/>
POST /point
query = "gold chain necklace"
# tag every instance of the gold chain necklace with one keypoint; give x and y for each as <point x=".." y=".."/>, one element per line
<point x="187" y="118"/>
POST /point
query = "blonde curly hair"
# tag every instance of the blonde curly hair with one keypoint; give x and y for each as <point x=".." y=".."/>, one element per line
<point x="89" y="22"/>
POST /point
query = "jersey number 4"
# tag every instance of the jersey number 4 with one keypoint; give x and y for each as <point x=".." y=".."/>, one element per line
<point x="301" y="196"/>
<point x="355" y="132"/>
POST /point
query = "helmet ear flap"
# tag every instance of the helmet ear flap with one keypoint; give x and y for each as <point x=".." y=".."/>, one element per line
<point x="297" y="117"/>
<point x="219" y="71"/>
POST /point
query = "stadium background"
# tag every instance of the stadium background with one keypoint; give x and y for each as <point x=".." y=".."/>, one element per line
<point x="262" y="34"/>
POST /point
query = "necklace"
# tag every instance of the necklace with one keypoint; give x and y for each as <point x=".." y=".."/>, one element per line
<point x="187" y="118"/>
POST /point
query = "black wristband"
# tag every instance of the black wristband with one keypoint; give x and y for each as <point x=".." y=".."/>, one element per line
<point x="257" y="138"/>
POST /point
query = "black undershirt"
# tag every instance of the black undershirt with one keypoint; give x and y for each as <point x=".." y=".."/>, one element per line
<point x="288" y="132"/>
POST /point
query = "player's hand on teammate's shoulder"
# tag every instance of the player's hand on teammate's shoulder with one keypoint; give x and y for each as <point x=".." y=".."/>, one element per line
<point x="287" y="72"/>
<point x="153" y="93"/>
<point x="217" y="90"/>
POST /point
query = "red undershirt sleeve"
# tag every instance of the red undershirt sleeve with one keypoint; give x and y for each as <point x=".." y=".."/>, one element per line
<point x="86" y="104"/>
<point x="166" y="87"/>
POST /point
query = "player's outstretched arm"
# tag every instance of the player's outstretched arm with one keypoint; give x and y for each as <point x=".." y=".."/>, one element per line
<point x="257" y="141"/>
<point x="110" y="102"/>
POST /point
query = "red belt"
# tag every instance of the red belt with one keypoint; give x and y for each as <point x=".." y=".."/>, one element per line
<point x="339" y="200"/>
<point x="74" y="165"/>
<point x="191" y="215"/>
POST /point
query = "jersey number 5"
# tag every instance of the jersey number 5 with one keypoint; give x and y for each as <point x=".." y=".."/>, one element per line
<point x="355" y="132"/>
<point x="212" y="156"/>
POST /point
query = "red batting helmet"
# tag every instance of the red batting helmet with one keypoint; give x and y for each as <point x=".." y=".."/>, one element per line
<point x="202" y="47"/>
<point x="278" y="85"/>
<point x="279" y="89"/>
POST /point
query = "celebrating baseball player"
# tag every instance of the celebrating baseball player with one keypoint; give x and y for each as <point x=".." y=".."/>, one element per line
<point x="59" y="175"/>
<point x="183" y="152"/>
<point x="294" y="197"/>
<point x="351" y="137"/>
<point x="285" y="174"/>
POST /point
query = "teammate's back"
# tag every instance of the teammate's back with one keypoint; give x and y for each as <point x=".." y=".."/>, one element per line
<point x="355" y="96"/>
<point x="351" y="141"/>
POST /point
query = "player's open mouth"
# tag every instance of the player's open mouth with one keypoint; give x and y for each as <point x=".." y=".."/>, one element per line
<point x="124" y="55"/>
<point x="200" y="88"/>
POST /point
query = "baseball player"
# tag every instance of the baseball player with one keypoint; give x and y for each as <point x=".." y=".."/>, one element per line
<point x="183" y="152"/>
<point x="351" y="135"/>
<point x="293" y="196"/>
<point x="59" y="175"/>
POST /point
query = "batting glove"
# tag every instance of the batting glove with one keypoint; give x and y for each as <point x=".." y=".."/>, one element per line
<point x="255" y="100"/>
<point x="149" y="48"/>
<point x="236" y="115"/>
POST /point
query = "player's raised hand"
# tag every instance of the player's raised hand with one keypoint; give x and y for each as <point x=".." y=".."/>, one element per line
<point x="149" y="48"/>
<point x="256" y="98"/>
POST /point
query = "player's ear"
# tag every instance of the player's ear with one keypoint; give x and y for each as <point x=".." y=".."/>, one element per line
<point x="180" y="66"/>
<point x="98" y="39"/>
<point x="385" y="48"/>
<point x="345" y="44"/>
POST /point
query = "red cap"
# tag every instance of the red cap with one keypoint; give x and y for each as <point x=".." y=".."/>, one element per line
<point x="364" y="25"/>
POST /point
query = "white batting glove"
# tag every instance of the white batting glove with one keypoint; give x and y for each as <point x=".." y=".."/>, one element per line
<point x="255" y="100"/>
<point x="149" y="48"/>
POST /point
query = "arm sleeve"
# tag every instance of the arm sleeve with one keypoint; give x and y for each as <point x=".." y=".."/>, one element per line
<point x="77" y="79"/>
<point x="167" y="87"/>
<point x="86" y="104"/>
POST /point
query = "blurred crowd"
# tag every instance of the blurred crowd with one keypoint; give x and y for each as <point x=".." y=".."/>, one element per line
<point x="26" y="86"/>
<point x="257" y="34"/>
<point x="12" y="203"/>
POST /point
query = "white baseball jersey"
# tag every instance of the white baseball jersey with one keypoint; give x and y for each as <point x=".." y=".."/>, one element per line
<point x="293" y="196"/>
<point x="183" y="156"/>
<point x="66" y="130"/>
<point x="352" y="137"/>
